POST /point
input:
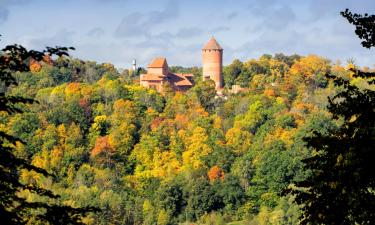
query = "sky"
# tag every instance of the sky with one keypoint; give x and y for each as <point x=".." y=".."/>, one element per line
<point x="118" y="31"/>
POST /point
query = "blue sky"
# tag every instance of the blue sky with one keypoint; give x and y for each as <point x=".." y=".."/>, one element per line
<point x="117" y="31"/>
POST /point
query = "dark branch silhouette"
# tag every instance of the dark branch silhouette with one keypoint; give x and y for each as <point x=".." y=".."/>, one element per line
<point x="15" y="209"/>
<point x="341" y="188"/>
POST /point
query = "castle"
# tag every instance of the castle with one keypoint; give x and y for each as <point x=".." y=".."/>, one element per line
<point x="158" y="72"/>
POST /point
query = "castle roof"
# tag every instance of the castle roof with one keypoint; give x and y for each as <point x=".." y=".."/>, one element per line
<point x="180" y="79"/>
<point x="158" y="63"/>
<point x="212" y="45"/>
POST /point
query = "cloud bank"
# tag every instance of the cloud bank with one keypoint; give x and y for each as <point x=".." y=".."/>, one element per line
<point x="119" y="31"/>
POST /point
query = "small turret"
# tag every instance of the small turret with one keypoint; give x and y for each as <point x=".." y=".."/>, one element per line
<point x="134" y="67"/>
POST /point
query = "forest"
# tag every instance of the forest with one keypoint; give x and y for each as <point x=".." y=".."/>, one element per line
<point x="147" y="158"/>
<point x="87" y="136"/>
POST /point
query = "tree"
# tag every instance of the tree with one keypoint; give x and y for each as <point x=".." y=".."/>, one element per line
<point x="341" y="187"/>
<point x="289" y="60"/>
<point x="205" y="92"/>
<point x="231" y="72"/>
<point x="15" y="209"/>
<point x="215" y="173"/>
<point x="103" y="152"/>
<point x="201" y="198"/>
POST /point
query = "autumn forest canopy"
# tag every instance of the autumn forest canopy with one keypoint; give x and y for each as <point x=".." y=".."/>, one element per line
<point x="124" y="154"/>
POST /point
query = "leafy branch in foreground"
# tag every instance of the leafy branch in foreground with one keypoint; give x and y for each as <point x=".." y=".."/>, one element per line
<point x="364" y="27"/>
<point x="13" y="208"/>
<point x="341" y="188"/>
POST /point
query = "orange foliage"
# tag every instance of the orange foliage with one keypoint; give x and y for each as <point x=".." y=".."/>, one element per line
<point x="215" y="173"/>
<point x="303" y="107"/>
<point x="102" y="146"/>
<point x="48" y="60"/>
<point x="35" y="66"/>
<point x="269" y="93"/>
<point x="156" y="123"/>
<point x="72" y="88"/>
<point x="181" y="121"/>
<point x="288" y="86"/>
<point x="84" y="102"/>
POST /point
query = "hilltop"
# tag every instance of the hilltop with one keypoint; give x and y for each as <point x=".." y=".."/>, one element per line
<point x="147" y="157"/>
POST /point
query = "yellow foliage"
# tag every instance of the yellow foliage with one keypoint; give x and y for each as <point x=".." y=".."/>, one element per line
<point x="166" y="164"/>
<point x="61" y="131"/>
<point x="100" y="119"/>
<point x="122" y="136"/>
<point x="70" y="175"/>
<point x="30" y="177"/>
<point x="150" y="112"/>
<point x="280" y="101"/>
<point x="163" y="217"/>
<point x="147" y="206"/>
<point x="278" y="69"/>
<point x="86" y="90"/>
<point x="350" y="66"/>
<point x="124" y="110"/>
<point x="195" y="111"/>
<point x="218" y="122"/>
<point x="57" y="94"/>
<point x="134" y="88"/>
<point x="263" y="216"/>
<point x="281" y="134"/>
<point x="308" y="67"/>
<point x="160" y="164"/>
<point x="42" y="160"/>
<point x="238" y="139"/>
<point x="56" y="156"/>
<point x="98" y="122"/>
<point x="196" y="148"/>
<point x="337" y="68"/>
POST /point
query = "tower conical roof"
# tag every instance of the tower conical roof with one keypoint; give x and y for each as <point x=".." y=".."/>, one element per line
<point x="212" y="45"/>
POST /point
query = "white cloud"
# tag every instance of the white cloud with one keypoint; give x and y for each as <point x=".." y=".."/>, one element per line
<point x="178" y="29"/>
<point x="3" y="14"/>
<point x="96" y="32"/>
<point x="139" y="24"/>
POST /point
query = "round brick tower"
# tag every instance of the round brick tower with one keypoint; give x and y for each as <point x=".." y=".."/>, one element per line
<point x="212" y="56"/>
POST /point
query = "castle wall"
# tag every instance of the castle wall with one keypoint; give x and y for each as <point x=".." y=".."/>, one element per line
<point x="156" y="71"/>
<point x="157" y="85"/>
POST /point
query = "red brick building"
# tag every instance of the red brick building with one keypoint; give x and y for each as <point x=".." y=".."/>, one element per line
<point x="212" y="60"/>
<point x="158" y="74"/>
